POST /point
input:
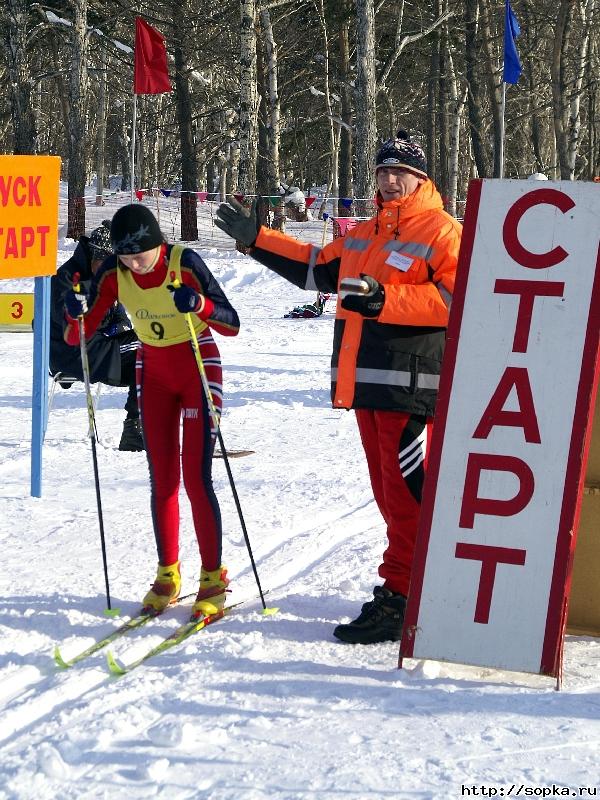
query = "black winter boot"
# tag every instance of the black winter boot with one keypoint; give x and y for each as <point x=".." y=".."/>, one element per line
<point x="131" y="438"/>
<point x="380" y="620"/>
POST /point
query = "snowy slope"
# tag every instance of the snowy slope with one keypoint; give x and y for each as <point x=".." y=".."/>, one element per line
<point x="255" y="707"/>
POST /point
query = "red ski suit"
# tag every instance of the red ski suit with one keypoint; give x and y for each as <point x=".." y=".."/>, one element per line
<point x="170" y="388"/>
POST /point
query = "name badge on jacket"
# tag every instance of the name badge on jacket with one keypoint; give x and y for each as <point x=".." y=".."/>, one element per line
<point x="399" y="261"/>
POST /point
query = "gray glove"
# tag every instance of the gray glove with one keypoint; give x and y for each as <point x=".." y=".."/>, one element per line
<point x="238" y="222"/>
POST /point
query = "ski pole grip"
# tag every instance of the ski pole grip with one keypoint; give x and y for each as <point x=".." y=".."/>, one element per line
<point x="175" y="283"/>
<point x="76" y="286"/>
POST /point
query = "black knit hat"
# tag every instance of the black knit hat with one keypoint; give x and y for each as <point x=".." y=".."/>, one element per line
<point x="99" y="242"/>
<point x="402" y="152"/>
<point x="134" y="229"/>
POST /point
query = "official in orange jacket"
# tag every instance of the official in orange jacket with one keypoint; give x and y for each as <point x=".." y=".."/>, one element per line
<point x="394" y="277"/>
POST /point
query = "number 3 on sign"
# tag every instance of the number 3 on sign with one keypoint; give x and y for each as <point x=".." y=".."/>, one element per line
<point x="16" y="310"/>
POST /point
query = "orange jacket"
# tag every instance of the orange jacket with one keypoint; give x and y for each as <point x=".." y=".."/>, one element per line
<point x="411" y="247"/>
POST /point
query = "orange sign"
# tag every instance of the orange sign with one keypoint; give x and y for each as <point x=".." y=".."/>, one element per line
<point x="28" y="215"/>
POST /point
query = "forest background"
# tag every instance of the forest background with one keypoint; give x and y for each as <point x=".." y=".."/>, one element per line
<point x="299" y="92"/>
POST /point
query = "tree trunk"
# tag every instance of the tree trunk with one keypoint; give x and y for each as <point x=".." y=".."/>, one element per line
<point x="125" y="147"/>
<point x="223" y="180"/>
<point x="248" y="119"/>
<point x="189" y="173"/>
<point x="333" y="147"/>
<point x="494" y="87"/>
<point x="593" y="148"/>
<point x="442" y="117"/>
<point x="21" y="107"/>
<point x="77" y="140"/>
<point x="101" y="134"/>
<point x="476" y="125"/>
<point x="456" y="104"/>
<point x="365" y="105"/>
<point x="269" y="185"/>
<point x="432" y="102"/>
<point x="580" y="60"/>
<point x="559" y="86"/>
<point x="533" y="78"/>
<point x="272" y="101"/>
<point x="345" y="145"/>
<point x="263" y="162"/>
<point x="233" y="168"/>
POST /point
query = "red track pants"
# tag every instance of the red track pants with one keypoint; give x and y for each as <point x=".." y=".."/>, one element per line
<point x="170" y="390"/>
<point x="396" y="445"/>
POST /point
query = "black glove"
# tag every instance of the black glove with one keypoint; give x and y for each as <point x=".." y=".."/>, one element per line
<point x="185" y="298"/>
<point x="76" y="303"/>
<point x="238" y="222"/>
<point x="369" y="304"/>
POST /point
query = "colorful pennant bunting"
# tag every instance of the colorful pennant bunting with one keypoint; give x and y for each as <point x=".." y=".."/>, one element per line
<point x="345" y="224"/>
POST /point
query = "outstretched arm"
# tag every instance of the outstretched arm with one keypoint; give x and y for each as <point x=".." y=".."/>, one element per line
<point x="304" y="265"/>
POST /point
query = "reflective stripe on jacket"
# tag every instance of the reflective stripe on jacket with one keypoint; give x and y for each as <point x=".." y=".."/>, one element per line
<point x="411" y="247"/>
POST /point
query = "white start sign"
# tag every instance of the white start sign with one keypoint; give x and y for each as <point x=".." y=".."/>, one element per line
<point x="505" y="474"/>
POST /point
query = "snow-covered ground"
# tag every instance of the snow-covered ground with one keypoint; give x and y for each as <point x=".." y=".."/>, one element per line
<point x="257" y="706"/>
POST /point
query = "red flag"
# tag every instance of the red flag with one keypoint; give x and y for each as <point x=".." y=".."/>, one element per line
<point x="150" y="73"/>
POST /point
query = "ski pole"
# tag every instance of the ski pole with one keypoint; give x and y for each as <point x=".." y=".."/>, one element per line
<point x="92" y="434"/>
<point x="323" y="239"/>
<point x="176" y="283"/>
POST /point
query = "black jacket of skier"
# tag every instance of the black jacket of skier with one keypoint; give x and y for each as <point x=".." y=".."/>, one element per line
<point x="104" y="348"/>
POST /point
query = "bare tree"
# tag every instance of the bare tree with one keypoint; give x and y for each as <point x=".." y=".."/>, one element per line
<point x="364" y="102"/>
<point x="101" y="133"/>
<point x="77" y="138"/>
<point x="476" y="118"/>
<point x="189" y="172"/>
<point x="19" y="78"/>
<point x="332" y="183"/>
<point x="248" y="118"/>
<point x="269" y="131"/>
<point x="345" y="144"/>
<point x="580" y="57"/>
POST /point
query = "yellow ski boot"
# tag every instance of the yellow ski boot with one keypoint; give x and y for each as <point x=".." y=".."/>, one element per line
<point x="211" y="596"/>
<point x="165" y="589"/>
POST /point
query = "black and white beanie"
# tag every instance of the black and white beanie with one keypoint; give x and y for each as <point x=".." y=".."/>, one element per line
<point x="134" y="229"/>
<point x="402" y="152"/>
<point x="99" y="242"/>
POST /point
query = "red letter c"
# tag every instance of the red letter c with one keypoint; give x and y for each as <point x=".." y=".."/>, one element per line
<point x="513" y="246"/>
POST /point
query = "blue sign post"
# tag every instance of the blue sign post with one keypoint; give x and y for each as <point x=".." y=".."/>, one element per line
<point x="39" y="395"/>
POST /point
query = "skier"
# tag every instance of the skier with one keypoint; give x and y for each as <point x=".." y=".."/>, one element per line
<point x="387" y="347"/>
<point x="143" y="275"/>
<point x="111" y="351"/>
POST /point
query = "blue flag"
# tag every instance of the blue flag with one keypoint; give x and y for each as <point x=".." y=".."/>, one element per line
<point x="512" y="65"/>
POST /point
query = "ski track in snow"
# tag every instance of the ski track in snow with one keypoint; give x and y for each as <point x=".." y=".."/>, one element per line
<point x="255" y="707"/>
